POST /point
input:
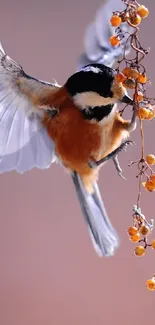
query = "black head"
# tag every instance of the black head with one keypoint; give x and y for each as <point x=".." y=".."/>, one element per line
<point x="94" y="85"/>
<point x="93" y="77"/>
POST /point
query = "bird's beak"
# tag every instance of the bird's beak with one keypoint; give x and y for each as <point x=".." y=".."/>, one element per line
<point x="127" y="100"/>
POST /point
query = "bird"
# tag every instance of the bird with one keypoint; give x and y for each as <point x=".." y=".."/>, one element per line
<point x="76" y="124"/>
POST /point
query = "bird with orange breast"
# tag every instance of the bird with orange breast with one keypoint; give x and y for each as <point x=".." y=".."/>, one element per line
<point x="77" y="124"/>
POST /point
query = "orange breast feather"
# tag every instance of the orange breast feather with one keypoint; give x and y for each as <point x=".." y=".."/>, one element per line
<point x="77" y="139"/>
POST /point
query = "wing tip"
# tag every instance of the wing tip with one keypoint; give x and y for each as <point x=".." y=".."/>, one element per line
<point x="2" y="52"/>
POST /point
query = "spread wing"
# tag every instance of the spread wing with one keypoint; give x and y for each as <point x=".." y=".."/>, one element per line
<point x="97" y="47"/>
<point x="24" y="142"/>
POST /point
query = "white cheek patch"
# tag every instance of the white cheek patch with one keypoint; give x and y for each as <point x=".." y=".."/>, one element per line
<point x="92" y="99"/>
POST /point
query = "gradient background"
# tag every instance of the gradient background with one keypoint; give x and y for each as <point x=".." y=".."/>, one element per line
<point x="49" y="272"/>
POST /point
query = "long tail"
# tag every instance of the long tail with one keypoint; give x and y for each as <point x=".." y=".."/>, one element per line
<point x="104" y="237"/>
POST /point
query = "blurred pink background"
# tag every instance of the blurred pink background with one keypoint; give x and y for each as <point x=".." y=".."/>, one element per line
<point x="49" y="272"/>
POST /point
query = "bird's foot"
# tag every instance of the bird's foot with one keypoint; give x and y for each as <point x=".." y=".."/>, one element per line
<point x="113" y="156"/>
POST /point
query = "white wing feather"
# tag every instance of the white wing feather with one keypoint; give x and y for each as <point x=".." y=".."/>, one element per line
<point x="24" y="142"/>
<point x="102" y="21"/>
<point x="97" y="47"/>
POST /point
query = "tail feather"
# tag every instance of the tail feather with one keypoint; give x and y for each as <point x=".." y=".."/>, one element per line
<point x="104" y="237"/>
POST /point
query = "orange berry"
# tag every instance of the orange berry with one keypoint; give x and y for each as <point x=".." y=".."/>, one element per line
<point x="126" y="71"/>
<point x="153" y="244"/>
<point x="149" y="185"/>
<point x="150" y="159"/>
<point x="119" y="77"/>
<point x="132" y="231"/>
<point x="135" y="238"/>
<point x="142" y="78"/>
<point x="151" y="284"/>
<point x="133" y="73"/>
<point x="144" y="230"/>
<point x="135" y="20"/>
<point x="115" y="20"/>
<point x="142" y="113"/>
<point x="130" y="83"/>
<point x="152" y="178"/>
<point x="143" y="12"/>
<point x="138" y="97"/>
<point x="114" y="40"/>
<point x="151" y="113"/>
<point x="139" y="251"/>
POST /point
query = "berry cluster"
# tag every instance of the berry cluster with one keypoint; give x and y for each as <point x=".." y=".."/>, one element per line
<point x="132" y="15"/>
<point x="149" y="184"/>
<point x="133" y="76"/>
<point x="139" y="232"/>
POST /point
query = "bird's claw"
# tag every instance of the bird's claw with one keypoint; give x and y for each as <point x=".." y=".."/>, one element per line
<point x="120" y="174"/>
<point x="118" y="168"/>
<point x="123" y="146"/>
<point x="113" y="155"/>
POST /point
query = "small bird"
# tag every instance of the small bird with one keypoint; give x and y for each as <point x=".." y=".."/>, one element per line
<point x="77" y="124"/>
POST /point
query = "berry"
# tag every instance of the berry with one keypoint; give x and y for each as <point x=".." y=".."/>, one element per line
<point x="149" y="185"/>
<point x="152" y="178"/>
<point x="142" y="78"/>
<point x="138" y="97"/>
<point x="133" y="73"/>
<point x="150" y="159"/>
<point x="126" y="71"/>
<point x="139" y="251"/>
<point x="142" y="113"/>
<point x="151" y="284"/>
<point x="135" y="20"/>
<point x="135" y="238"/>
<point x="153" y="244"/>
<point x="130" y="83"/>
<point x="143" y="12"/>
<point x="151" y="113"/>
<point x="144" y="230"/>
<point x="132" y="231"/>
<point x="115" y="20"/>
<point x="114" y="40"/>
<point x="119" y="77"/>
